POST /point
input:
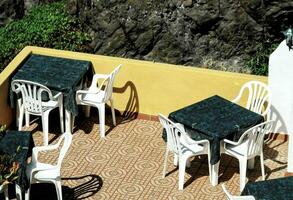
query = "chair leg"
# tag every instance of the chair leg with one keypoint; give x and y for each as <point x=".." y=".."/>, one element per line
<point x="242" y="169"/>
<point x="58" y="189"/>
<point x="210" y="167"/>
<point x="19" y="112"/>
<point x="72" y="122"/>
<point x="250" y="163"/>
<point x="165" y="162"/>
<point x="20" y="120"/>
<point x="262" y="166"/>
<point x="27" y="193"/>
<point x="215" y="173"/>
<point x="45" y="124"/>
<point x="113" y="111"/>
<point x="182" y="166"/>
<point x="61" y="118"/>
<point x="5" y="190"/>
<point x="87" y="111"/>
<point x="27" y="119"/>
<point x="18" y="192"/>
<point x="175" y="161"/>
<point x="101" y="109"/>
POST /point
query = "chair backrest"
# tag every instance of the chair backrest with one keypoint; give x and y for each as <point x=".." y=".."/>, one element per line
<point x="32" y="94"/>
<point x="258" y="100"/>
<point x="109" y="86"/>
<point x="254" y="137"/>
<point x="106" y="85"/>
<point x="67" y="137"/>
<point x="173" y="142"/>
<point x="231" y="197"/>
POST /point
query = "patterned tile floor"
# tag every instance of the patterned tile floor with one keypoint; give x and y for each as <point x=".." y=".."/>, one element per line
<point x="128" y="164"/>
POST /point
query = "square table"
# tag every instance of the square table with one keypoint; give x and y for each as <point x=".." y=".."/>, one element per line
<point x="215" y="119"/>
<point x="274" y="189"/>
<point x="59" y="75"/>
<point x="9" y="144"/>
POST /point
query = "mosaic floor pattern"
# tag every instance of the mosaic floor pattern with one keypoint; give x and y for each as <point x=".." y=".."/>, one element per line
<point x="128" y="164"/>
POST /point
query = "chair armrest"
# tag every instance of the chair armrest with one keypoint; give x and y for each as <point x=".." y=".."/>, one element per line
<point x="237" y="99"/>
<point x="190" y="141"/>
<point x="80" y="93"/>
<point x="248" y="197"/>
<point x="85" y="92"/>
<point x="100" y="76"/>
<point x="46" y="148"/>
<point x="230" y="142"/>
<point x="58" y="95"/>
<point x="37" y="149"/>
<point x="36" y="169"/>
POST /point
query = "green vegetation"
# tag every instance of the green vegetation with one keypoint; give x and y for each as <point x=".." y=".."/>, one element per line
<point x="258" y="63"/>
<point x="47" y="25"/>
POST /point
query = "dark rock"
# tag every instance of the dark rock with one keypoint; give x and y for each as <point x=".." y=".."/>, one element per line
<point x="15" y="9"/>
<point x="10" y="10"/>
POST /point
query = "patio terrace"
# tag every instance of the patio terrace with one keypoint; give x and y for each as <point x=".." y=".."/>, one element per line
<point x="128" y="164"/>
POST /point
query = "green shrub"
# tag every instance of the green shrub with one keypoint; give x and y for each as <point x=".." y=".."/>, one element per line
<point x="258" y="63"/>
<point x="47" y="25"/>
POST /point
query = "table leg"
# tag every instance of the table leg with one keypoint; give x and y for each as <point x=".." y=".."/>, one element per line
<point x="68" y="121"/>
<point x="215" y="173"/>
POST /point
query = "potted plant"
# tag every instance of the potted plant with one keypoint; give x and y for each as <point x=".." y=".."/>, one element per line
<point x="8" y="169"/>
<point x="2" y="130"/>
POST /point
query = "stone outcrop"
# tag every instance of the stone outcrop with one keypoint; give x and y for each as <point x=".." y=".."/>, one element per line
<point x="213" y="33"/>
<point x="216" y="33"/>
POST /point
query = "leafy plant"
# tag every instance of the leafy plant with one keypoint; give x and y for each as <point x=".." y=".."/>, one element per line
<point x="258" y="63"/>
<point x="2" y="130"/>
<point x="47" y="25"/>
<point x="8" y="168"/>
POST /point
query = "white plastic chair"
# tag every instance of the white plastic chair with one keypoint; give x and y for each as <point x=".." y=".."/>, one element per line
<point x="231" y="197"/>
<point x="183" y="147"/>
<point x="31" y="103"/>
<point x="258" y="100"/>
<point x="98" y="96"/>
<point x="38" y="172"/>
<point x="249" y="145"/>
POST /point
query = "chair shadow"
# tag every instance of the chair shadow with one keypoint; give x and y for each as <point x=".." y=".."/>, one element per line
<point x="47" y="191"/>
<point x="132" y="107"/>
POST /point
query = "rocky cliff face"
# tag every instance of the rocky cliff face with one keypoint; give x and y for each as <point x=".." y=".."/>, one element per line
<point x="190" y="32"/>
<point x="216" y="33"/>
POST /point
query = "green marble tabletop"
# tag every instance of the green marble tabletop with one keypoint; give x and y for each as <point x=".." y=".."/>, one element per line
<point x="274" y="189"/>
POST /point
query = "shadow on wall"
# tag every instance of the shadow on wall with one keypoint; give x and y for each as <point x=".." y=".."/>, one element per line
<point x="132" y="107"/>
<point x="279" y="125"/>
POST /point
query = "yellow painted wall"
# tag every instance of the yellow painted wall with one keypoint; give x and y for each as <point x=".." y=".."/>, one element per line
<point x="142" y="86"/>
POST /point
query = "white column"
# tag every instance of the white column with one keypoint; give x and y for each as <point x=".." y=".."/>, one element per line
<point x="281" y="86"/>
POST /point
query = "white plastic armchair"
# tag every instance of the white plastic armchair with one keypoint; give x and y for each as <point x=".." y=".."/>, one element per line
<point x="98" y="96"/>
<point x="249" y="145"/>
<point x="231" y="197"/>
<point x="33" y="103"/>
<point x="39" y="172"/>
<point x="183" y="147"/>
<point x="258" y="100"/>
